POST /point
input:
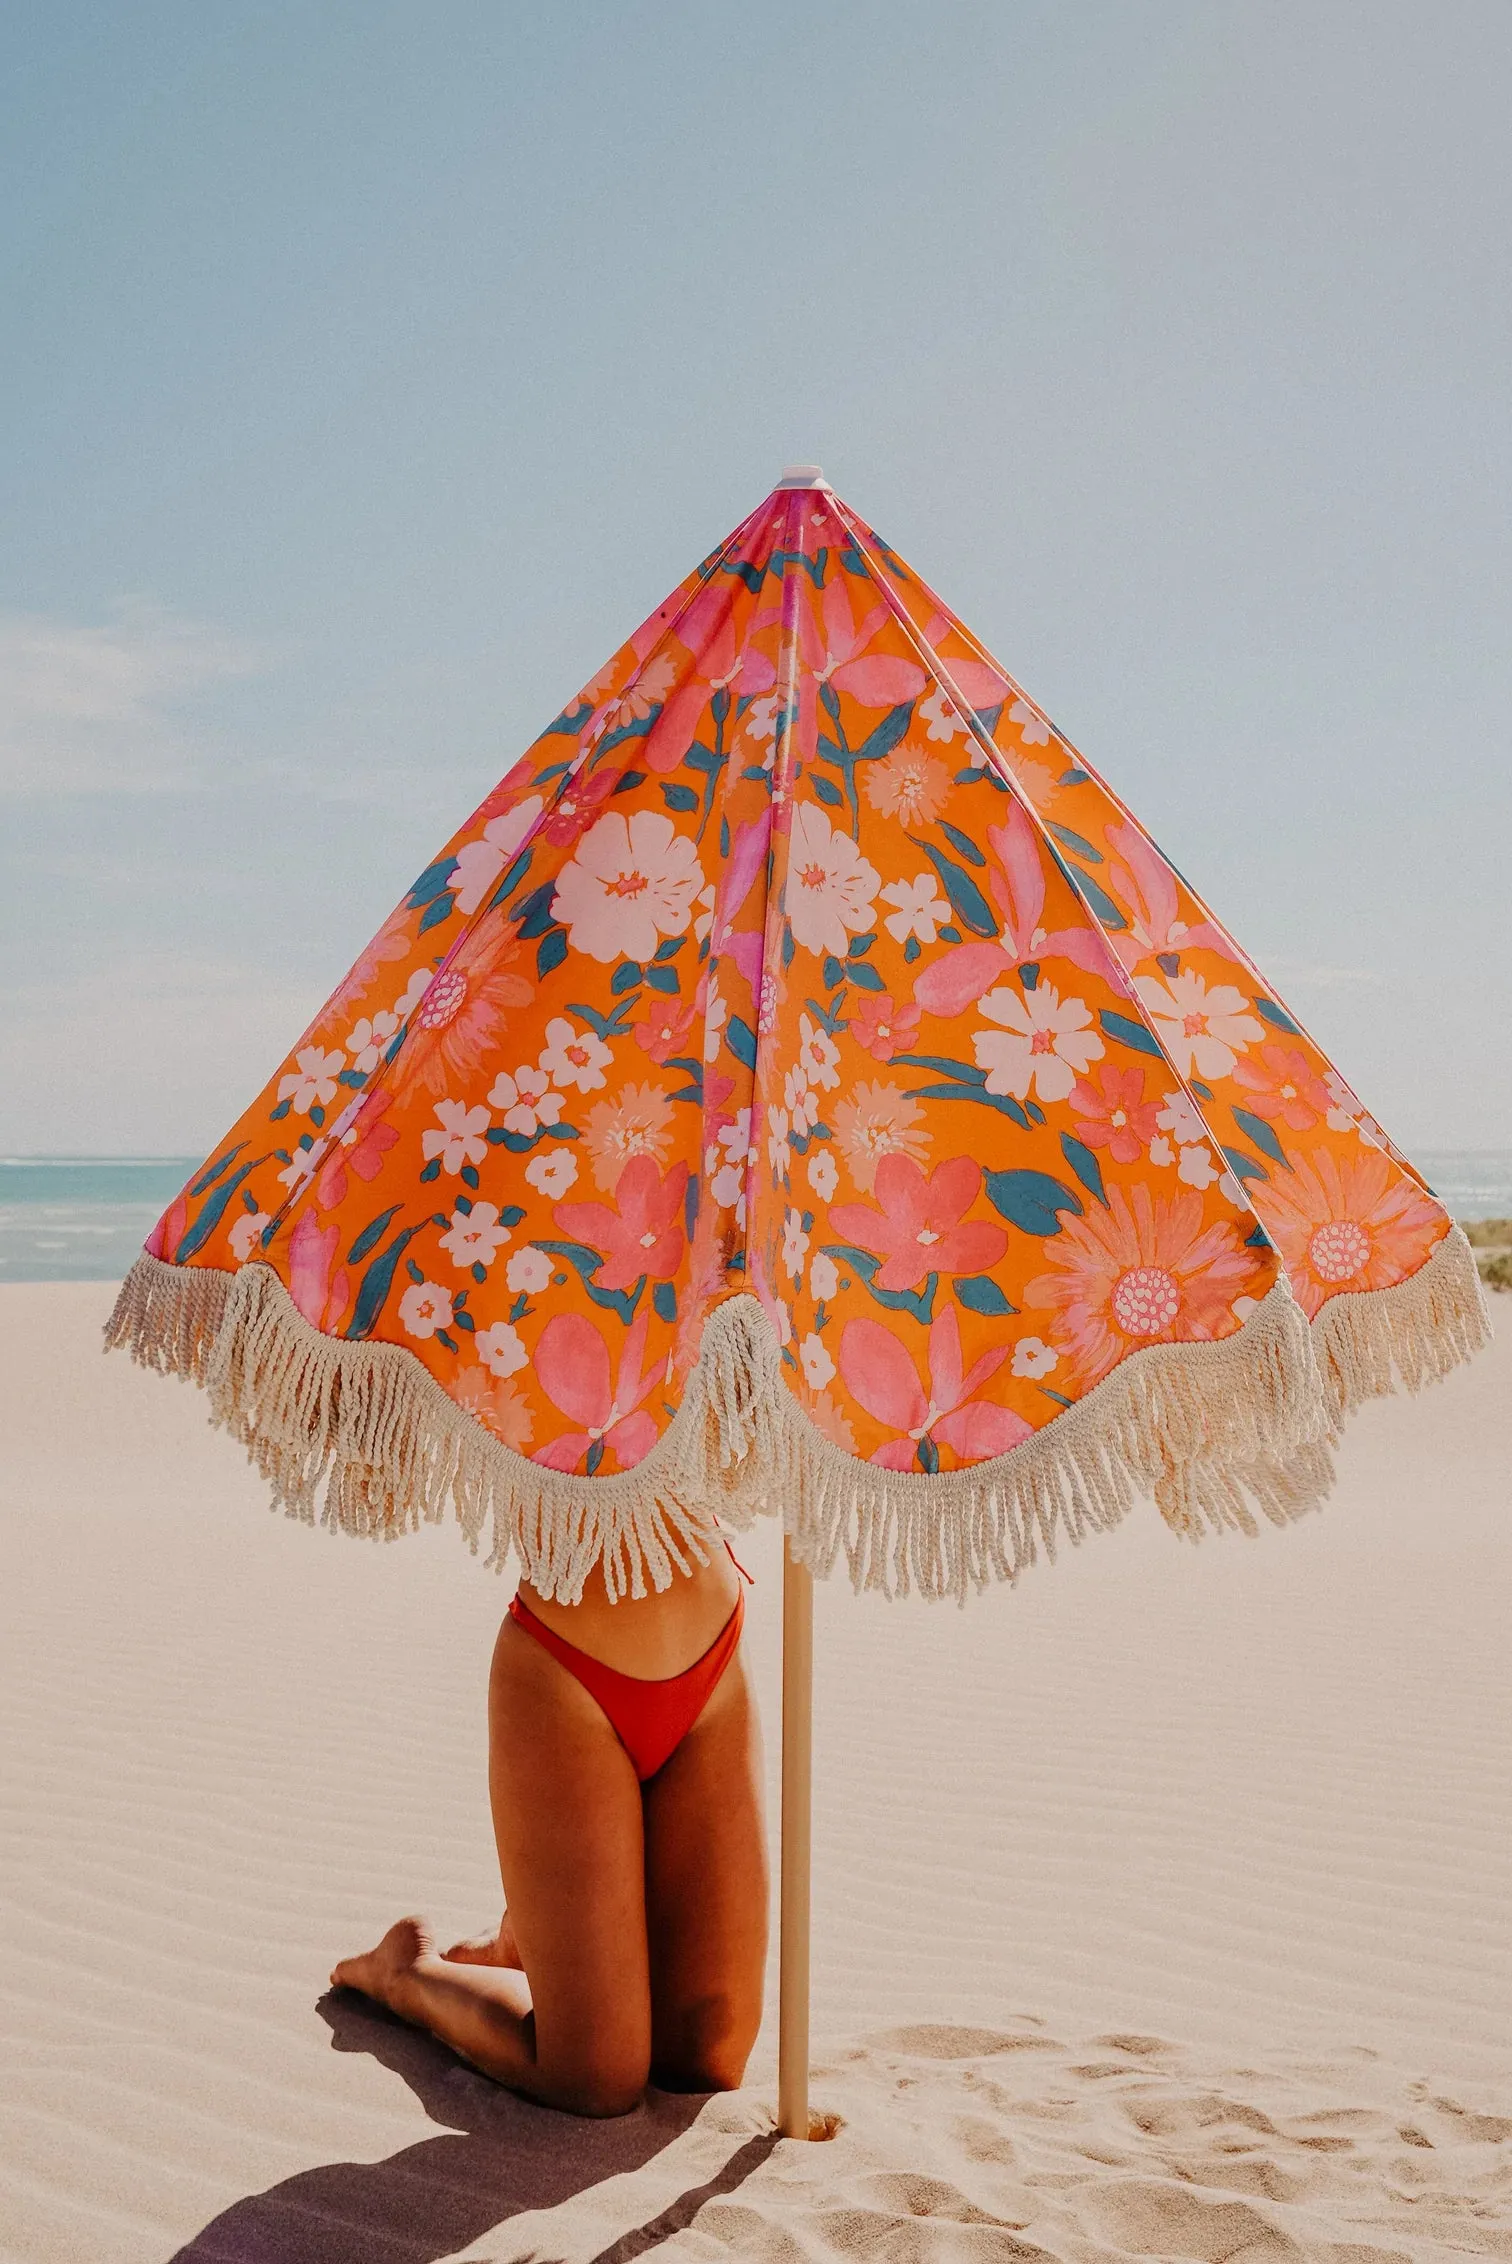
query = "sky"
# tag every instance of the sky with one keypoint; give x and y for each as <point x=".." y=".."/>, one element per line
<point x="368" y="371"/>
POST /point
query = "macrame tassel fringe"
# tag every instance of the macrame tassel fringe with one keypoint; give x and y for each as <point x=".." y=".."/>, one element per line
<point x="1416" y="1332"/>
<point x="360" y="1436"/>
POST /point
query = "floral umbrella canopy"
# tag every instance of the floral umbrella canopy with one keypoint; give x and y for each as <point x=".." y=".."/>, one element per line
<point x="802" y="1085"/>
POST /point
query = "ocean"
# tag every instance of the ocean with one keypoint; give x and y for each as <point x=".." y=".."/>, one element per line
<point x="84" y="1218"/>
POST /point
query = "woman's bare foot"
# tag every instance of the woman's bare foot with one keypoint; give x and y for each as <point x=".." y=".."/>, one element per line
<point x="381" y="1972"/>
<point x="497" y="1948"/>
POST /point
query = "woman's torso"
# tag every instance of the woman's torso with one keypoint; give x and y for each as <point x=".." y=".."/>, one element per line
<point x="653" y="1636"/>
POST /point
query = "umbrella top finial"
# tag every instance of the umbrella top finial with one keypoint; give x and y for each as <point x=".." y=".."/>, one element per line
<point x="802" y="475"/>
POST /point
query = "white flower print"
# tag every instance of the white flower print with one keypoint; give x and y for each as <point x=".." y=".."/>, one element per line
<point x="424" y="1308"/>
<point x="574" y="1057"/>
<point x="301" y="1166"/>
<point x="728" y="1189"/>
<point x="529" y="1270"/>
<point x="818" y="1055"/>
<point x="500" y="1349"/>
<point x="715" y="1014"/>
<point x="803" y="1105"/>
<point x="1033" y="729"/>
<point x="703" y="912"/>
<point x="921" y="908"/>
<point x="824" y="1278"/>
<point x="414" y="990"/>
<point x="632" y="881"/>
<point x="312" y="1080"/>
<point x="830" y="885"/>
<point x="460" y="1139"/>
<point x="822" y="1175"/>
<point x="1046" y="1042"/>
<point x="794" y="1244"/>
<point x="945" y="722"/>
<point x="551" y="1175"/>
<point x="474" y="1237"/>
<point x="245" y="1233"/>
<point x="525" y="1100"/>
<point x="760" y="719"/>
<point x="1201" y="1031"/>
<point x="1197" y="1168"/>
<point x="366" y="1040"/>
<point x="1162" y="1154"/>
<point x="1179" y="1117"/>
<point x="480" y="862"/>
<point x="777" y="1138"/>
<point x="1032" y="1357"/>
<point x="818" y="1367"/>
<point x="1232" y="1192"/>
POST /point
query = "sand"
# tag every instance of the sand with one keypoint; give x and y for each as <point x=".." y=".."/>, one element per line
<point x="1161" y="1907"/>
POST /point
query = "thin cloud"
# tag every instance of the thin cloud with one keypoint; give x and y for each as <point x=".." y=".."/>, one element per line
<point x="86" y="708"/>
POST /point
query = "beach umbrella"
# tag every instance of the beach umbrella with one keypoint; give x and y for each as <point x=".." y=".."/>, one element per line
<point x="801" y="1085"/>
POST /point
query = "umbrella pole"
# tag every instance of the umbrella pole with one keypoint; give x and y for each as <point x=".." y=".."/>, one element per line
<point x="797" y="1773"/>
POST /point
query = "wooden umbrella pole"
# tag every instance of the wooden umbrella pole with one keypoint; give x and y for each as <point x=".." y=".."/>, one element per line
<point x="797" y="1779"/>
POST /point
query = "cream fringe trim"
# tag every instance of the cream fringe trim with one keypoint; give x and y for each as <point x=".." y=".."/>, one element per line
<point x="1208" y="1429"/>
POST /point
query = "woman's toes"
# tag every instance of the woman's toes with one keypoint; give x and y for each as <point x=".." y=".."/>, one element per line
<point x="379" y="1971"/>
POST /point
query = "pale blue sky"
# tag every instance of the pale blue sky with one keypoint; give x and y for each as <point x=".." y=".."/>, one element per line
<point x="369" y="370"/>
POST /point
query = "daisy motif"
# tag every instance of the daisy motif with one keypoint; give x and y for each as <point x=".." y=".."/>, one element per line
<point x="1046" y="1042"/>
<point x="424" y="1308"/>
<point x="474" y="1236"/>
<point x="818" y="1055"/>
<point x="525" y="1101"/>
<point x="311" y="1082"/>
<point x="830" y="885"/>
<point x="818" y="1367"/>
<point x="794" y="1244"/>
<point x="551" y="1175"/>
<point x="573" y="1057"/>
<point x="500" y="1349"/>
<point x="632" y="881"/>
<point x="1033" y="1358"/>
<point x="1202" y="1031"/>
<point x="460" y="1139"/>
<point x="824" y="1278"/>
<point x="921" y="908"/>
<point x="245" y="1233"/>
<point x="528" y="1271"/>
<point x="822" y="1174"/>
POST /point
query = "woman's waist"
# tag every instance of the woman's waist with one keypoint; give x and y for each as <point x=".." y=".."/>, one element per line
<point x="654" y="1636"/>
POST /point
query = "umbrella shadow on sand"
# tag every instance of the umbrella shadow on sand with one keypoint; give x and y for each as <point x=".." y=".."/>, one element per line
<point x="500" y="2156"/>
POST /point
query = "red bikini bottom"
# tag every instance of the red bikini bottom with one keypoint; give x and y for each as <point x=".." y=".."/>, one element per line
<point x="650" y="1719"/>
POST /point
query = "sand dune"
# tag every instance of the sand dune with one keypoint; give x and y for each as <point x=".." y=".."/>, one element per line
<point x="1161" y="1907"/>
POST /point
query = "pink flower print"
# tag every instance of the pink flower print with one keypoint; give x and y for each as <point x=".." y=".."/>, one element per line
<point x="641" y="1236"/>
<point x="1140" y="1272"/>
<point x="1016" y="881"/>
<point x="572" y="1366"/>
<point x="720" y="662"/>
<point x="1143" y="885"/>
<point x="881" y="1377"/>
<point x="320" y="1294"/>
<point x="1110" y="1111"/>
<point x="666" y="1029"/>
<point x="169" y="1231"/>
<point x="361" y="1148"/>
<point x="884" y="1027"/>
<point x="919" y="1226"/>
<point x="1284" y="1085"/>
<point x="578" y="805"/>
<point x="834" y="649"/>
<point x="1350" y="1225"/>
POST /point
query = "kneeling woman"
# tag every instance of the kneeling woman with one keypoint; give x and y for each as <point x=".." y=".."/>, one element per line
<point x="625" y="1776"/>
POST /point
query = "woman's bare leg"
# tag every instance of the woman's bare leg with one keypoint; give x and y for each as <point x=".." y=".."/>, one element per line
<point x="567" y="1819"/>
<point x="706" y="1894"/>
